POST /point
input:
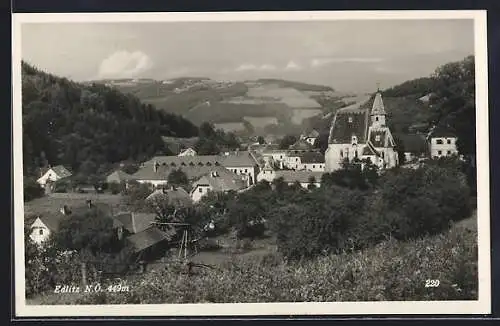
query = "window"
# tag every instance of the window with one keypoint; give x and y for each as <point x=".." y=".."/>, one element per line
<point x="448" y="152"/>
<point x="377" y="138"/>
<point x="349" y="119"/>
<point x="341" y="153"/>
<point x="281" y="156"/>
<point x="376" y="118"/>
<point x="297" y="159"/>
<point x="41" y="231"/>
<point x="439" y="152"/>
<point x="314" y="166"/>
<point x="200" y="189"/>
<point x="448" y="141"/>
<point x="246" y="170"/>
<point x="439" y="141"/>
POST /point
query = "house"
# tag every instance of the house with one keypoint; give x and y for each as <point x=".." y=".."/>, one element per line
<point x="305" y="178"/>
<point x="301" y="145"/>
<point x="147" y="240"/>
<point x="360" y="133"/>
<point x="275" y="156"/>
<point x="176" y="196"/>
<point x="312" y="161"/>
<point x="45" y="225"/>
<point x="442" y="141"/>
<point x="216" y="181"/>
<point x="156" y="170"/>
<point x="53" y="174"/>
<point x="414" y="145"/>
<point x="188" y="152"/>
<point x="118" y="176"/>
<point x="311" y="137"/>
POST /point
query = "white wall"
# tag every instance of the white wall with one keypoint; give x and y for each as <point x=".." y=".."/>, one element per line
<point x="198" y="192"/>
<point x="266" y="175"/>
<point x="315" y="167"/>
<point x="49" y="175"/>
<point x="39" y="232"/>
<point x="447" y="147"/>
<point x="246" y="170"/>
<point x="155" y="183"/>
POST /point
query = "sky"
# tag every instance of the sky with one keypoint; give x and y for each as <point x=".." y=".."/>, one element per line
<point x="346" y="55"/>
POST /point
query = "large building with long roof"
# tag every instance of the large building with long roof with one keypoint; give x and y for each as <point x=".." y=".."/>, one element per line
<point x="361" y="133"/>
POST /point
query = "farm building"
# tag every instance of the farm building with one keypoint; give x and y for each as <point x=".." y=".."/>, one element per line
<point x="53" y="174"/>
<point x="216" y="181"/>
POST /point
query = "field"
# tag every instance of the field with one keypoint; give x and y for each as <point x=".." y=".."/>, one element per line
<point x="389" y="271"/>
<point x="300" y="115"/>
<point x="261" y="122"/>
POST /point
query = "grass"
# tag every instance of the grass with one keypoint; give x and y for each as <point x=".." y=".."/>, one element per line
<point x="389" y="271"/>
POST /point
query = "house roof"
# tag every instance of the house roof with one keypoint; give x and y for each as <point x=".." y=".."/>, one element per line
<point x="314" y="133"/>
<point x="52" y="221"/>
<point x="378" y="137"/>
<point x="312" y="157"/>
<point x="348" y="124"/>
<point x="135" y="222"/>
<point x="300" y="176"/>
<point x="378" y="105"/>
<point x="442" y="130"/>
<point x="302" y="145"/>
<point x="413" y="143"/>
<point x="149" y="237"/>
<point x="222" y="181"/>
<point x="118" y="176"/>
<point x="187" y="150"/>
<point x="177" y="197"/>
<point x="193" y="171"/>
<point x="369" y="149"/>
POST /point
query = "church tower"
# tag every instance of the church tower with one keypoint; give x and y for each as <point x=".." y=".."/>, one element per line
<point x="378" y="114"/>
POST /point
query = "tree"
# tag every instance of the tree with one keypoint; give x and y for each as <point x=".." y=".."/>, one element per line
<point x="287" y="141"/>
<point x="178" y="178"/>
<point x="32" y="189"/>
<point x="261" y="140"/>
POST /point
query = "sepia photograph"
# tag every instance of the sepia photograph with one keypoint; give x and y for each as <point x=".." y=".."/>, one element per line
<point x="260" y="163"/>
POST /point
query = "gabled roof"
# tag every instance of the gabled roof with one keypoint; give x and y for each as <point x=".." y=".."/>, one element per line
<point x="348" y="124"/>
<point x="177" y="197"/>
<point x="221" y="181"/>
<point x="149" y="237"/>
<point x="60" y="171"/>
<point x="52" y="221"/>
<point x="312" y="157"/>
<point x="313" y="134"/>
<point x="378" y="137"/>
<point x="300" y="176"/>
<point x="442" y="130"/>
<point x="135" y="222"/>
<point x="378" y="105"/>
<point x="118" y="176"/>
<point x="369" y="149"/>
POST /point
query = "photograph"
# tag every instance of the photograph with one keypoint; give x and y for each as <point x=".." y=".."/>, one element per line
<point x="251" y="163"/>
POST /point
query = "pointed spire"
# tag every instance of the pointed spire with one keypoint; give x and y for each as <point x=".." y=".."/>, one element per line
<point x="378" y="105"/>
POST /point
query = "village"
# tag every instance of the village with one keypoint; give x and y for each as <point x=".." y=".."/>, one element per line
<point x="357" y="135"/>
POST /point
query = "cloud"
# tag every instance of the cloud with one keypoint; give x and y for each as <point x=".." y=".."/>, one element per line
<point x="249" y="66"/>
<point x="124" y="64"/>
<point x="292" y="66"/>
<point x="318" y="62"/>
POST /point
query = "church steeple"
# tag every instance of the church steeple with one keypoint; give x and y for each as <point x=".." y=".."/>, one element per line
<point x="378" y="110"/>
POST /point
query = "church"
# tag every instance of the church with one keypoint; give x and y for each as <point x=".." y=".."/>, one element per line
<point x="361" y="133"/>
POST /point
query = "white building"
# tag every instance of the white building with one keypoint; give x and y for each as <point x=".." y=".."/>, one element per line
<point x="442" y="142"/>
<point x="216" y="181"/>
<point x="188" y="152"/>
<point x="361" y="133"/>
<point x="53" y="174"/>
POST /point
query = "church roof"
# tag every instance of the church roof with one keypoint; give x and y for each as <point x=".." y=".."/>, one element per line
<point x="378" y="105"/>
<point x="378" y="137"/>
<point x="348" y="124"/>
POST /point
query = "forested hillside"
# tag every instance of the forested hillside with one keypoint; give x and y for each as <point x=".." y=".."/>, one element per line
<point x="89" y="127"/>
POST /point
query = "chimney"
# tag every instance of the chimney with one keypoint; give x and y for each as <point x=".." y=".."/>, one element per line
<point x="156" y="165"/>
<point x="215" y="174"/>
<point x="174" y="188"/>
<point x="89" y="203"/>
<point x="65" y="210"/>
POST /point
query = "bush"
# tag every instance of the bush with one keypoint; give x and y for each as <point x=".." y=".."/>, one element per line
<point x="324" y="224"/>
<point x="32" y="189"/>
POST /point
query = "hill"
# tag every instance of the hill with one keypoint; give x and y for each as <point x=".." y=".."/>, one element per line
<point x="247" y="108"/>
<point x="88" y="127"/>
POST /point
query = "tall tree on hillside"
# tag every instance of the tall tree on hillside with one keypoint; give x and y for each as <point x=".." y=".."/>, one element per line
<point x="287" y="141"/>
<point x="453" y="102"/>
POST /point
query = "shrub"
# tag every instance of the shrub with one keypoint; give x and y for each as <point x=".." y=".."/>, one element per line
<point x="32" y="189"/>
